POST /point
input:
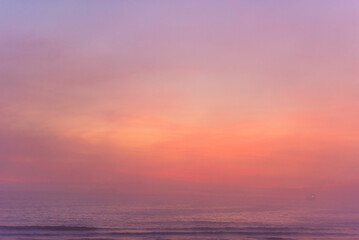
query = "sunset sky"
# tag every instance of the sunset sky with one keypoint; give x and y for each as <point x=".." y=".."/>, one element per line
<point x="151" y="95"/>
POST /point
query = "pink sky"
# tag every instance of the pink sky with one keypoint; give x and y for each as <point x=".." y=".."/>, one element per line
<point x="153" y="95"/>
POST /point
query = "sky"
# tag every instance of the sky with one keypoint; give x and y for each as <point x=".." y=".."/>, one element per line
<point x="179" y="96"/>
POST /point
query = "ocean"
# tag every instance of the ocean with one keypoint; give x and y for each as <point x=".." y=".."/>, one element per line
<point x="79" y="218"/>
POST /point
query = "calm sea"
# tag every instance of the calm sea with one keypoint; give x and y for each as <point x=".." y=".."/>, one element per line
<point x="79" y="218"/>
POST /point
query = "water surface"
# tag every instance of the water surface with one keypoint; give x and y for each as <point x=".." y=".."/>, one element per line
<point x="74" y="218"/>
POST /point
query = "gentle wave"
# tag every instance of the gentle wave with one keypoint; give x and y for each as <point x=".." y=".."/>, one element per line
<point x="86" y="228"/>
<point x="47" y="228"/>
<point x="96" y="231"/>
